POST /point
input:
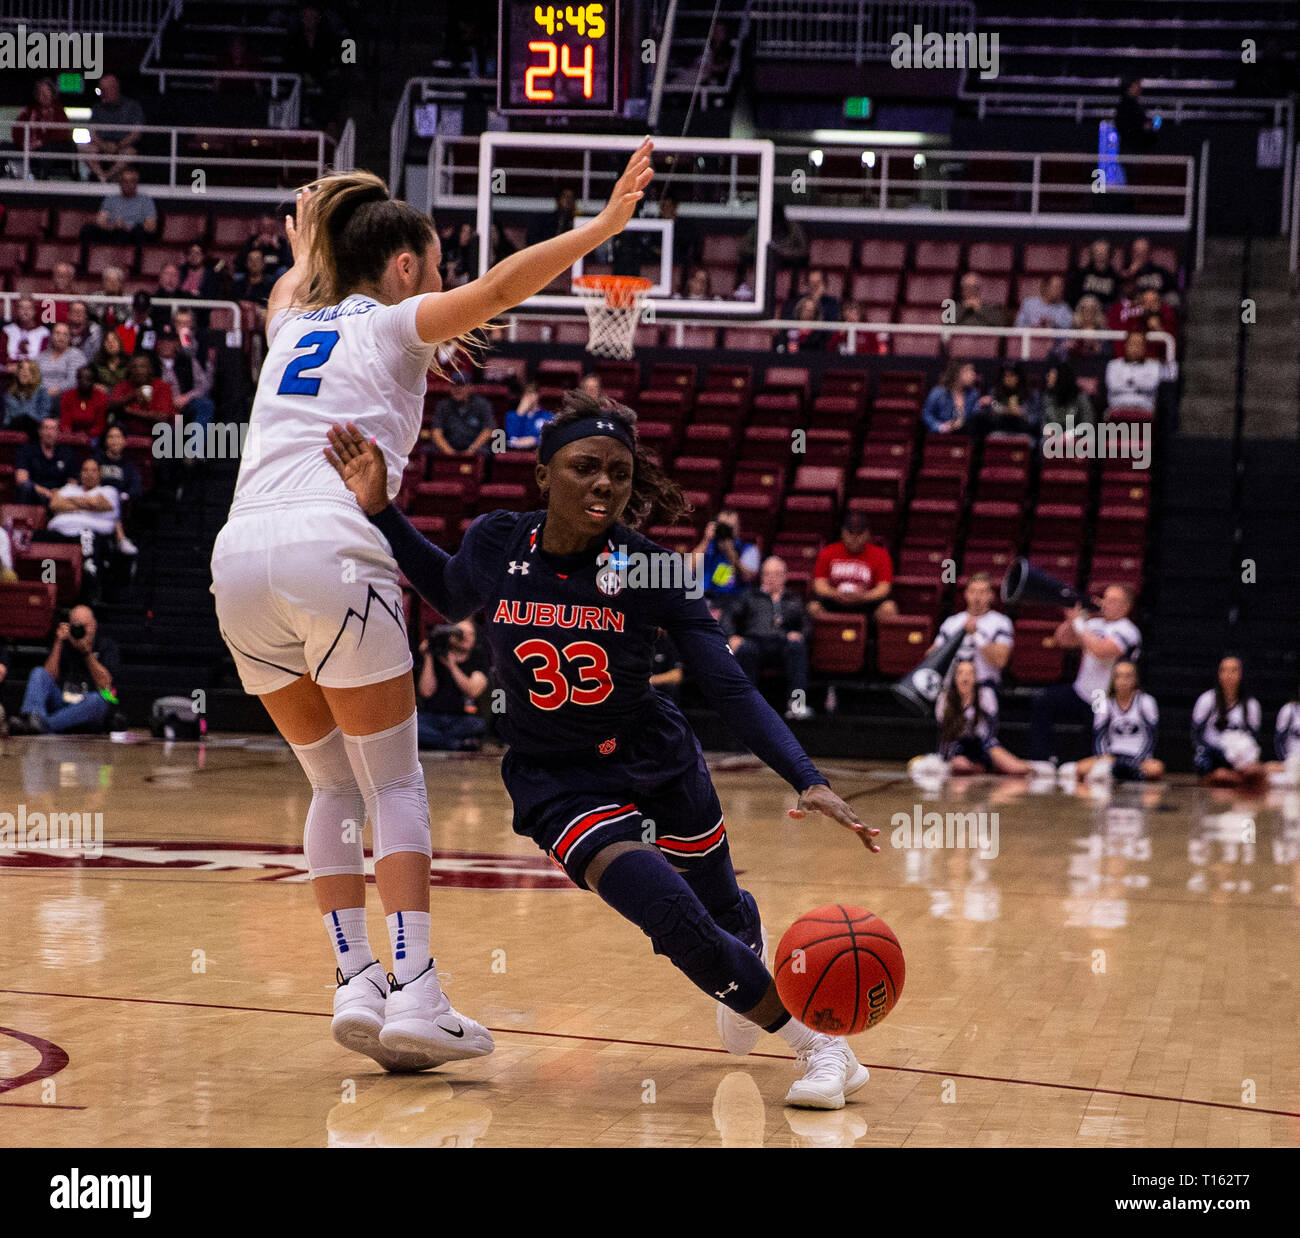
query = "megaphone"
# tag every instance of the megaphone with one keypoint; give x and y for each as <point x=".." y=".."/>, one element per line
<point x="1026" y="583"/>
<point x="919" y="689"/>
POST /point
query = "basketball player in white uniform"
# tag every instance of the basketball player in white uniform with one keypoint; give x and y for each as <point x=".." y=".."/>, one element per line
<point x="1123" y="734"/>
<point x="307" y="590"/>
<point x="989" y="634"/>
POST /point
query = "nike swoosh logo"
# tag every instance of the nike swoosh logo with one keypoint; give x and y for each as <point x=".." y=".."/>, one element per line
<point x="458" y="1033"/>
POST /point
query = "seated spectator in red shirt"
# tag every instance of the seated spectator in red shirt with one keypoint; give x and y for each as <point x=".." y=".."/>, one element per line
<point x="62" y="284"/>
<point x="1141" y="311"/>
<point x="140" y="332"/>
<point x="83" y="409"/>
<point x="26" y="335"/>
<point x="852" y="574"/>
<point x="140" y="399"/>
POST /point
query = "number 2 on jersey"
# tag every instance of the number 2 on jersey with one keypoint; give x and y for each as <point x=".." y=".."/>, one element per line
<point x="321" y="344"/>
<point x="596" y="678"/>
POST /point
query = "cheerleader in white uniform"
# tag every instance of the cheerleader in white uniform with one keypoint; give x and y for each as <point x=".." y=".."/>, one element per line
<point x="967" y="712"/>
<point x="1225" y="730"/>
<point x="306" y="588"/>
<point x="1124" y="732"/>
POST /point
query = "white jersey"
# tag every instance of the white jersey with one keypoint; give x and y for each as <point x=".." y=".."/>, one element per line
<point x="990" y="628"/>
<point x="74" y="523"/>
<point x="1244" y="718"/>
<point x="1286" y="732"/>
<point x="1127" y="732"/>
<point x="984" y="728"/>
<point x="1094" y="672"/>
<point x="357" y="361"/>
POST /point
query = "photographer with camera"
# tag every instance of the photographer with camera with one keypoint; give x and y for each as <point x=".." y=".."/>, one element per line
<point x="73" y="691"/>
<point x="453" y="675"/>
<point x="728" y="564"/>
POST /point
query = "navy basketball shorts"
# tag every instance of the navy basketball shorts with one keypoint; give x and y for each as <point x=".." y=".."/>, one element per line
<point x="573" y="811"/>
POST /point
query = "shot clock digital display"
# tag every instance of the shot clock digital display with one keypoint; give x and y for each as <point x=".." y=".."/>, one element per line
<point x="558" y="59"/>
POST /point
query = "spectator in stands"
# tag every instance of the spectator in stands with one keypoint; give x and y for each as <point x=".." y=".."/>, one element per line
<point x="1096" y="275"/>
<point x="1048" y="309"/>
<point x="84" y="332"/>
<point x="83" y="409"/>
<point x="592" y="385"/>
<point x="139" y="333"/>
<point x="853" y="575"/>
<point x="26" y="335"/>
<point x="864" y="342"/>
<point x="313" y="49"/>
<point x="7" y="576"/>
<point x="788" y="248"/>
<point x="88" y="512"/>
<point x="201" y="278"/>
<point x="813" y="285"/>
<point x="463" y="420"/>
<point x="169" y="284"/>
<point x="803" y="339"/>
<point x="1148" y="274"/>
<point x="114" y="129"/>
<point x="686" y="236"/>
<point x="1135" y="128"/>
<point x="186" y="376"/>
<point x="453" y="675"/>
<point x="1132" y="381"/>
<point x="460" y="255"/>
<point x="1007" y="408"/>
<point x="972" y="312"/>
<point x="769" y="626"/>
<point x="111" y="362"/>
<point x="238" y="58"/>
<point x="141" y="398"/>
<point x="665" y="667"/>
<point x="193" y="345"/>
<point x="253" y="285"/>
<point x="525" y="421"/>
<point x="117" y="471"/>
<point x="989" y="637"/>
<point x="502" y="245"/>
<point x="727" y="563"/>
<point x="952" y="401"/>
<point x="699" y="287"/>
<point x="543" y="227"/>
<point x="113" y="284"/>
<point x="1088" y="317"/>
<point x="28" y="401"/>
<point x="1226" y="722"/>
<point x="128" y="217"/>
<point x="1124" y="314"/>
<point x="63" y="284"/>
<point x="1064" y="399"/>
<point x="268" y="239"/>
<point x="1123" y="734"/>
<point x="44" y="466"/>
<point x="967" y="713"/>
<point x="50" y="131"/>
<point x="1156" y="315"/>
<point x="60" y="361"/>
<point x="1105" y="639"/>
<point x="73" y="691"/>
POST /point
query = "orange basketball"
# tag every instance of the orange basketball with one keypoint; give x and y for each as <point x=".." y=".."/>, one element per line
<point x="839" y="969"/>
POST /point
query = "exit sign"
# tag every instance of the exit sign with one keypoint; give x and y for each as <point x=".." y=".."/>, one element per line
<point x="857" y="108"/>
<point x="69" y="83"/>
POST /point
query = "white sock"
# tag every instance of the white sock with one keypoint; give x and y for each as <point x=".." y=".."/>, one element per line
<point x="409" y="933"/>
<point x="797" y="1036"/>
<point x="351" y="942"/>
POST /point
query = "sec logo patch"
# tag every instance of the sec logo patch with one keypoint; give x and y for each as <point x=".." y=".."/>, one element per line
<point x="609" y="582"/>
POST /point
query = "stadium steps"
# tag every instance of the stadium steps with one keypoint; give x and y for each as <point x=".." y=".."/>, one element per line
<point x="1209" y="345"/>
<point x="1272" y="397"/>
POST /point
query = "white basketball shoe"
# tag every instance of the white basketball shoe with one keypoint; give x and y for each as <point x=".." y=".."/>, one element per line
<point x="418" y="1018"/>
<point x="830" y="1073"/>
<point x="359" y="1018"/>
<point x="739" y="1035"/>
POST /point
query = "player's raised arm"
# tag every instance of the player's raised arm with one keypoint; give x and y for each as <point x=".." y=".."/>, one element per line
<point x="445" y="315"/>
<point x="298" y="229"/>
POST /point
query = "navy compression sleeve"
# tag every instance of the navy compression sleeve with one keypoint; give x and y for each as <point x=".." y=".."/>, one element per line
<point x="423" y="563"/>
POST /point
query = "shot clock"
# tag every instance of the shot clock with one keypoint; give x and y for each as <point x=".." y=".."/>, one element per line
<point x="558" y="59"/>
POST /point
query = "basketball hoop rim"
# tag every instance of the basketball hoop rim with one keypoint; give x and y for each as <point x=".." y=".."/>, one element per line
<point x="618" y="290"/>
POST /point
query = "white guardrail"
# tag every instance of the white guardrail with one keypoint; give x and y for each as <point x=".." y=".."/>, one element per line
<point x="132" y="19"/>
<point x="234" y="335"/>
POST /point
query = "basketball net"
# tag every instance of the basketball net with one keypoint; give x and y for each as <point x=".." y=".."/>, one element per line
<point x="614" y="305"/>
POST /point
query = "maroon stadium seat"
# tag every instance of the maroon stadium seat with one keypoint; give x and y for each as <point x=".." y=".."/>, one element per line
<point x="26" y="610"/>
<point x="878" y="255"/>
<point x="1036" y="657"/>
<point x="828" y="447"/>
<point x="1045" y="258"/>
<point x="877" y="287"/>
<point x="901" y="642"/>
<point x="991" y="257"/>
<point x="830" y="253"/>
<point x="937" y="256"/>
<point x="839" y="644"/>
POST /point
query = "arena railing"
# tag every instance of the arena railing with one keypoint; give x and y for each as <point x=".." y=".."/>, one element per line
<point x="853" y="330"/>
<point x="180" y="165"/>
<point x="234" y="335"/>
<point x="851" y="29"/>
<point x="131" y="19"/>
<point x="424" y="90"/>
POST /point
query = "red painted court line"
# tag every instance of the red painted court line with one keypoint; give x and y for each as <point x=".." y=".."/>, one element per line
<point x="658" y="1044"/>
<point x="35" y="1104"/>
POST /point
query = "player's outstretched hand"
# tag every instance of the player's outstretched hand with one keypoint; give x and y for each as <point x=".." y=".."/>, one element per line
<point x="820" y="798"/>
<point x="360" y="463"/>
<point x="297" y="226"/>
<point x="630" y="189"/>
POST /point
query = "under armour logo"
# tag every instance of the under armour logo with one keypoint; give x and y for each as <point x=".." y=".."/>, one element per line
<point x="604" y="425"/>
<point x="731" y="988"/>
<point x="517" y="566"/>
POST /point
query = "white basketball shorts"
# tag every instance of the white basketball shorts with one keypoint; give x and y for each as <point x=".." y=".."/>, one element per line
<point x="308" y="588"/>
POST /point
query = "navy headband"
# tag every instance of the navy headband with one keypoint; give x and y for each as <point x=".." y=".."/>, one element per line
<point x="556" y="437"/>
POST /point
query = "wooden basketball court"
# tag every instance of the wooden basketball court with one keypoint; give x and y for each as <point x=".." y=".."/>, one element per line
<point x="1121" y="972"/>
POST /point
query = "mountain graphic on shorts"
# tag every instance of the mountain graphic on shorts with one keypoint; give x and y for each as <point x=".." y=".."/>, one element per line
<point x="372" y="597"/>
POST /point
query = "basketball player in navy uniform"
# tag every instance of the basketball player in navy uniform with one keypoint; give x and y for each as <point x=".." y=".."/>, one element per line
<point x="1123" y="735"/>
<point x="604" y="772"/>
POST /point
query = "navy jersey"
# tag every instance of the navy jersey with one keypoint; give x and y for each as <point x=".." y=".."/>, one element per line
<point x="573" y="641"/>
